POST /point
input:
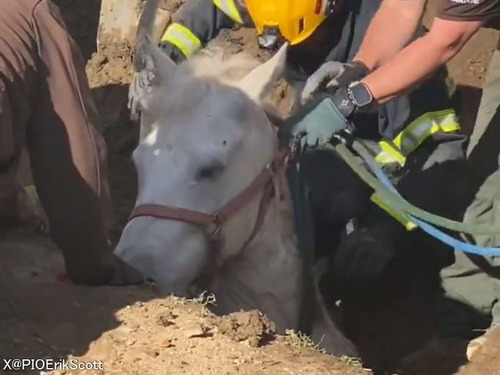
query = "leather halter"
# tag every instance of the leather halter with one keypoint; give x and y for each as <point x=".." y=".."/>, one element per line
<point x="263" y="182"/>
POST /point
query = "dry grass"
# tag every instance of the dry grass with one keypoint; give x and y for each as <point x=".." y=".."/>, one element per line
<point x="299" y="340"/>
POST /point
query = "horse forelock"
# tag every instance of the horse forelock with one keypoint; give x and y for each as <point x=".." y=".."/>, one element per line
<point x="217" y="64"/>
<point x="207" y="74"/>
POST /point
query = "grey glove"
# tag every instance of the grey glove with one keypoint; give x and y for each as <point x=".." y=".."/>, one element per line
<point x="333" y="74"/>
<point x="323" y="117"/>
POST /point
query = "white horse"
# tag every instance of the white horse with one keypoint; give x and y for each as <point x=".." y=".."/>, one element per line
<point x="205" y="137"/>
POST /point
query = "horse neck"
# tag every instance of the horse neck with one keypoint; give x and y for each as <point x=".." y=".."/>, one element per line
<point x="268" y="268"/>
<point x="276" y="234"/>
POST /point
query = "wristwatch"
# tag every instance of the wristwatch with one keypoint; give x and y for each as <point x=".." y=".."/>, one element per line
<point x="360" y="95"/>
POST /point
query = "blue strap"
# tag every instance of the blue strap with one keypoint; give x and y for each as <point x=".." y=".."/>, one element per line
<point x="453" y="242"/>
<point x="426" y="227"/>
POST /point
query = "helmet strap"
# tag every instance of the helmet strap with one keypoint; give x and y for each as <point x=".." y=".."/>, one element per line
<point x="328" y="6"/>
<point x="269" y="38"/>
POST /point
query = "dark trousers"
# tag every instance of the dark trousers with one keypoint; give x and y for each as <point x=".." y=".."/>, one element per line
<point x="471" y="283"/>
<point x="46" y="105"/>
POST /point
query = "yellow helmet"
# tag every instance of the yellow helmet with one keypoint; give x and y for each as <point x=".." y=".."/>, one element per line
<point x="294" y="19"/>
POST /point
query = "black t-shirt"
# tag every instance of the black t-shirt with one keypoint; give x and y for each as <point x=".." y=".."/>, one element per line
<point x="472" y="10"/>
<point x="469" y="10"/>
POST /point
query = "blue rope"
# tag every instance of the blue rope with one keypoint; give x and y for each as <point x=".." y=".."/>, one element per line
<point x="453" y="242"/>
<point x="426" y="227"/>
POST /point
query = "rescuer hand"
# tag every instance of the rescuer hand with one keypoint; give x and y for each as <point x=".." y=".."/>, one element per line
<point x="333" y="74"/>
<point x="322" y="118"/>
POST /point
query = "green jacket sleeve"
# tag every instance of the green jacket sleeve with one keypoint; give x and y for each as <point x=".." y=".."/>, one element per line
<point x="197" y="22"/>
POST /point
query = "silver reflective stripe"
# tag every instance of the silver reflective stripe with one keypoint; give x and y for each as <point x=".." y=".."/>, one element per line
<point x="412" y="139"/>
<point x="181" y="37"/>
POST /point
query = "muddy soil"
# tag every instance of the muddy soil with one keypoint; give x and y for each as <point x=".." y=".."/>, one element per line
<point x="134" y="331"/>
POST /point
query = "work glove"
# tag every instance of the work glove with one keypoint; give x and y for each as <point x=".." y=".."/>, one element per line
<point x="331" y="75"/>
<point x="320" y="119"/>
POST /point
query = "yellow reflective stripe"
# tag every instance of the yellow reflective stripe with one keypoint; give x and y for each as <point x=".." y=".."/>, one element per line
<point x="389" y="154"/>
<point x="427" y="124"/>
<point x="183" y="38"/>
<point x="406" y="142"/>
<point x="414" y="134"/>
<point x="409" y="225"/>
<point x="229" y="8"/>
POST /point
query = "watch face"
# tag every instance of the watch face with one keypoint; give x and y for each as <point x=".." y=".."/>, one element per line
<point x="360" y="95"/>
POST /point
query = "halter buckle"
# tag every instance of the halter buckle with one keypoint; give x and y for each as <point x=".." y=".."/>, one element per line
<point x="271" y="167"/>
<point x="216" y="235"/>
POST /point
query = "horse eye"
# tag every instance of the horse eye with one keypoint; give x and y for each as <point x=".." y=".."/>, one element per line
<point x="209" y="171"/>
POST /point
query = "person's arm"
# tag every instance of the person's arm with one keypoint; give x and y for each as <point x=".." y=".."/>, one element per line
<point x="392" y="27"/>
<point x="198" y="22"/>
<point x="420" y="59"/>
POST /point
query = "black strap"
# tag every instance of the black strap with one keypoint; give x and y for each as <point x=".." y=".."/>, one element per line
<point x="304" y="230"/>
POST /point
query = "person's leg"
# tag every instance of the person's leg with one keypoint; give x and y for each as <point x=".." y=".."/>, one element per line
<point x="9" y="203"/>
<point x="495" y="312"/>
<point x="67" y="155"/>
<point x="17" y="85"/>
<point x="468" y="298"/>
<point x="474" y="280"/>
<point x="490" y="100"/>
<point x="10" y="147"/>
<point x="471" y="284"/>
<point x="490" y="292"/>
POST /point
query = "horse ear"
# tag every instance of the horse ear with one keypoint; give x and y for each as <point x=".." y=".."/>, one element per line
<point x="155" y="66"/>
<point x="259" y="82"/>
<point x="153" y="69"/>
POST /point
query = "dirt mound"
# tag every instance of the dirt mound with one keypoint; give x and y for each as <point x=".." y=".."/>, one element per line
<point x="134" y="330"/>
<point x="176" y="336"/>
<point x="251" y="327"/>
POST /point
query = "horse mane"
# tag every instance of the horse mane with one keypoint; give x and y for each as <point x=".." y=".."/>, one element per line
<point x="217" y="64"/>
